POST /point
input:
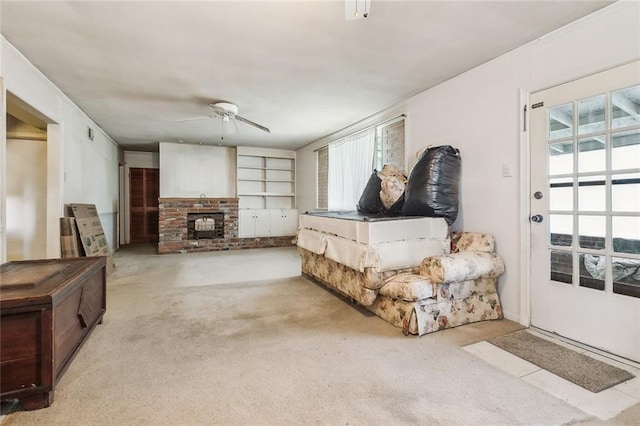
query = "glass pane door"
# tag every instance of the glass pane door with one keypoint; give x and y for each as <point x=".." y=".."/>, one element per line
<point x="593" y="181"/>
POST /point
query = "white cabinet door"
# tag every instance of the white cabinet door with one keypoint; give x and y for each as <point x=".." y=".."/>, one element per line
<point x="276" y="222"/>
<point x="262" y="223"/>
<point x="246" y="223"/>
<point x="289" y="222"/>
<point x="267" y="222"/>
<point x="283" y="222"/>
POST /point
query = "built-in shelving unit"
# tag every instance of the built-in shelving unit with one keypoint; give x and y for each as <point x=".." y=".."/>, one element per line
<point x="266" y="178"/>
<point x="266" y="187"/>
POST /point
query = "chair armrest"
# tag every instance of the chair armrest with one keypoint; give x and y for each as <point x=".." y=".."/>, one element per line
<point x="463" y="266"/>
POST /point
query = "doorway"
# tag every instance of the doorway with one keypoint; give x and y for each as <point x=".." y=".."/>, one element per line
<point x="26" y="184"/>
<point x="585" y="210"/>
<point x="144" y="191"/>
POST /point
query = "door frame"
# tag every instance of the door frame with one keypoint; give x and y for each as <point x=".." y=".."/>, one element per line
<point x="525" y="209"/>
<point x="525" y="204"/>
<point x="55" y="176"/>
<point x="55" y="179"/>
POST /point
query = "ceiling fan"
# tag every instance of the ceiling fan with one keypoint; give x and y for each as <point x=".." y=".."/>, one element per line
<point x="228" y="112"/>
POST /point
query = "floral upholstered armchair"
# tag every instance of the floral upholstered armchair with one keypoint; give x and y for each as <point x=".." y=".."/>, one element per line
<point x="455" y="289"/>
<point x="471" y="264"/>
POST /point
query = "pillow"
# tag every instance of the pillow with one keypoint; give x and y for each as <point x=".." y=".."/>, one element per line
<point x="392" y="189"/>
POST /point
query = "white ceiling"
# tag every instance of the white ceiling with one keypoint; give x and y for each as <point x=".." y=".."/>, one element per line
<point x="297" y="67"/>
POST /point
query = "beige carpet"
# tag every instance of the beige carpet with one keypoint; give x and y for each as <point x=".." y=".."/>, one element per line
<point x="202" y="339"/>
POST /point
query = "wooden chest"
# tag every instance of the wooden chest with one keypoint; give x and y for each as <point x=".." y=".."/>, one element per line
<point x="48" y="308"/>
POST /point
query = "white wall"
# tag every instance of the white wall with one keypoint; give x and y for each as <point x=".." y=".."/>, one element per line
<point x="26" y="199"/>
<point x="479" y="113"/>
<point x="188" y="171"/>
<point x="145" y="160"/>
<point x="79" y="170"/>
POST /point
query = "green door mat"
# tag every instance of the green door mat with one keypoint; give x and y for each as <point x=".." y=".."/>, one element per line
<point x="582" y="370"/>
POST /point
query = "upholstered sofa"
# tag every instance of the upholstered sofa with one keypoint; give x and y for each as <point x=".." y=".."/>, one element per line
<point x="456" y="285"/>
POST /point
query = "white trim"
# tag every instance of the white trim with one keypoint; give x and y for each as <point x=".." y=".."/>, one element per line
<point x="525" y="211"/>
<point x="265" y="152"/>
<point x="3" y="173"/>
<point x="122" y="206"/>
<point x="580" y="345"/>
<point x="55" y="189"/>
<point x="135" y="159"/>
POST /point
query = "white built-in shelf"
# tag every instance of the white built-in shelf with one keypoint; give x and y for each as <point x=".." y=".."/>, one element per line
<point x="266" y="178"/>
<point x="285" y="169"/>
<point x="266" y="194"/>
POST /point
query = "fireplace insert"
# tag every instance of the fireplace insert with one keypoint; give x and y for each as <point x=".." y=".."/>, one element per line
<point x="205" y="225"/>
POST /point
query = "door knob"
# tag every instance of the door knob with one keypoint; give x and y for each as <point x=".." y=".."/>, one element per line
<point x="537" y="218"/>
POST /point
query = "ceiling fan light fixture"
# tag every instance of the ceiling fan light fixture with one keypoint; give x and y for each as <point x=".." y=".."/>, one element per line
<point x="225" y="108"/>
<point x="227" y="111"/>
<point x="354" y="9"/>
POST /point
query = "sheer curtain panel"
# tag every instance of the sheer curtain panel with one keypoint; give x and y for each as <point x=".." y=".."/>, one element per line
<point x="350" y="165"/>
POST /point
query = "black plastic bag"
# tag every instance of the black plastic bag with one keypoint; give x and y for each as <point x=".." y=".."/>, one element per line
<point x="433" y="186"/>
<point x="370" y="199"/>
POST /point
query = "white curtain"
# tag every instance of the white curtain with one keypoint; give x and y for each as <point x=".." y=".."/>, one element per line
<point x="350" y="165"/>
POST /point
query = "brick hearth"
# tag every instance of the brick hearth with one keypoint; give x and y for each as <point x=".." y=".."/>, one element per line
<point x="173" y="227"/>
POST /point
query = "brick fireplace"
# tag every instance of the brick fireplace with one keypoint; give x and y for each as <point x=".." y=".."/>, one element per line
<point x="176" y="233"/>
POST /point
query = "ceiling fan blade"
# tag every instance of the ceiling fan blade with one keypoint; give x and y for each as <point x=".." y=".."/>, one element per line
<point x="195" y="118"/>
<point x="251" y="123"/>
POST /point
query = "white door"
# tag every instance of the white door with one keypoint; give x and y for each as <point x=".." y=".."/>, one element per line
<point x="585" y="210"/>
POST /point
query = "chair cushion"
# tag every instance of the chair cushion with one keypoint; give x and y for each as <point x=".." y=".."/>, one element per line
<point x="472" y="241"/>
<point x="408" y="287"/>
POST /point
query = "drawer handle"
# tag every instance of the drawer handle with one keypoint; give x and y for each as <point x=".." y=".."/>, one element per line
<point x="85" y="308"/>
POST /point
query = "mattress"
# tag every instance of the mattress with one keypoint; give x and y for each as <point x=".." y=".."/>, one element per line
<point x="373" y="229"/>
<point x="384" y="244"/>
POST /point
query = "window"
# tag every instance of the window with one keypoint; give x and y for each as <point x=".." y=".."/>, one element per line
<point x="344" y="166"/>
<point x="390" y="144"/>
<point x="323" y="178"/>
